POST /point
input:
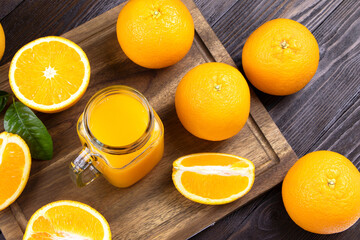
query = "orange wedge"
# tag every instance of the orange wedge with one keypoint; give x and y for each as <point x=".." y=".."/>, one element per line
<point x="49" y="74"/>
<point x="67" y="220"/>
<point x="213" y="178"/>
<point x="15" y="162"/>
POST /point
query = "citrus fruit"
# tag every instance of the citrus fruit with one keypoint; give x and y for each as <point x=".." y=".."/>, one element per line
<point x="49" y="74"/>
<point x="15" y="163"/>
<point x="155" y="33"/>
<point x="280" y="57"/>
<point x="213" y="101"/>
<point x="2" y="42"/>
<point x="321" y="192"/>
<point x="67" y="220"/>
<point x="213" y="178"/>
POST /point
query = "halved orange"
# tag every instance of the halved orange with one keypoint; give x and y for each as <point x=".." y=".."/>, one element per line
<point x="49" y="74"/>
<point x="213" y="178"/>
<point x="67" y="220"/>
<point x="15" y="163"/>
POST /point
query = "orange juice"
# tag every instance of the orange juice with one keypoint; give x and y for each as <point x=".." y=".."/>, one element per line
<point x="122" y="134"/>
<point x="118" y="120"/>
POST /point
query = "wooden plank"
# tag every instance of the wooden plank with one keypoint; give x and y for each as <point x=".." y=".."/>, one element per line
<point x="9" y="226"/>
<point x="43" y="18"/>
<point x="342" y="132"/>
<point x="334" y="87"/>
<point x="260" y="140"/>
<point x="233" y="31"/>
<point x="213" y="10"/>
<point x="343" y="135"/>
<point x="7" y="6"/>
<point x="271" y="221"/>
<point x="224" y="228"/>
<point x="266" y="218"/>
<point x="334" y="101"/>
<point x="269" y="106"/>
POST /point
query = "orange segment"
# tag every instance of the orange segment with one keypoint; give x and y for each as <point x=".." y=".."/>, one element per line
<point x="49" y="74"/>
<point x="15" y="162"/>
<point x="67" y="220"/>
<point x="2" y="42"/>
<point x="209" y="185"/>
<point x="213" y="178"/>
<point x="212" y="159"/>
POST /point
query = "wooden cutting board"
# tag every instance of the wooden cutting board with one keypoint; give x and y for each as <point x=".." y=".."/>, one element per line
<point x="152" y="208"/>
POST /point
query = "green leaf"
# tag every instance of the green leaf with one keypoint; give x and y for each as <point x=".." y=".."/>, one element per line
<point x="4" y="96"/>
<point x="19" y="119"/>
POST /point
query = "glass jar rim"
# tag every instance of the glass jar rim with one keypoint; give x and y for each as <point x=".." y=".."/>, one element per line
<point x="118" y="89"/>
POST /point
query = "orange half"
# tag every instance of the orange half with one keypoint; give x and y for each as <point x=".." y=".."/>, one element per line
<point x="213" y="178"/>
<point x="15" y="164"/>
<point x="67" y="220"/>
<point x="49" y="74"/>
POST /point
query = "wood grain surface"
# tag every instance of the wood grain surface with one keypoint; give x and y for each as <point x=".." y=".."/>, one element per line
<point x="153" y="205"/>
<point x="324" y="115"/>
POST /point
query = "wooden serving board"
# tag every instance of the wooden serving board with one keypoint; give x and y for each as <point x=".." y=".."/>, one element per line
<point x="152" y="208"/>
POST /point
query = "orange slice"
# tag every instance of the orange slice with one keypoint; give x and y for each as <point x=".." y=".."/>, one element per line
<point x="49" y="74"/>
<point x="67" y="220"/>
<point x="15" y="162"/>
<point x="213" y="178"/>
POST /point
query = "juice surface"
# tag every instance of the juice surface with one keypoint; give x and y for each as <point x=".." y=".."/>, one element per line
<point x="118" y="120"/>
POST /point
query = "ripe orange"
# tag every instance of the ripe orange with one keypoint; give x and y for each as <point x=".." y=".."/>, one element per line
<point x="213" y="178"/>
<point x="321" y="192"/>
<point x="67" y="220"/>
<point x="2" y="42"/>
<point x="15" y="163"/>
<point x="155" y="33"/>
<point x="280" y="57"/>
<point x="213" y="101"/>
<point x="49" y="74"/>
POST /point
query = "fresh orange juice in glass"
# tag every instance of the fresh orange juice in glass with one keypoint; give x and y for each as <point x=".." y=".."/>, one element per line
<point x="122" y="138"/>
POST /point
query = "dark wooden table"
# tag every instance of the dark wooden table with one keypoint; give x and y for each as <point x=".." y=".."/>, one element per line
<point x="324" y="115"/>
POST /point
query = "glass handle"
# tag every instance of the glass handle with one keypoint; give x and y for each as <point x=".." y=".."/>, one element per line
<point x="82" y="171"/>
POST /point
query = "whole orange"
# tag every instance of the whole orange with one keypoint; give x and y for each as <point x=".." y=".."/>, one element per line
<point x="213" y="101"/>
<point x="2" y="42"/>
<point x="280" y="57"/>
<point x="321" y="192"/>
<point x="155" y="33"/>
